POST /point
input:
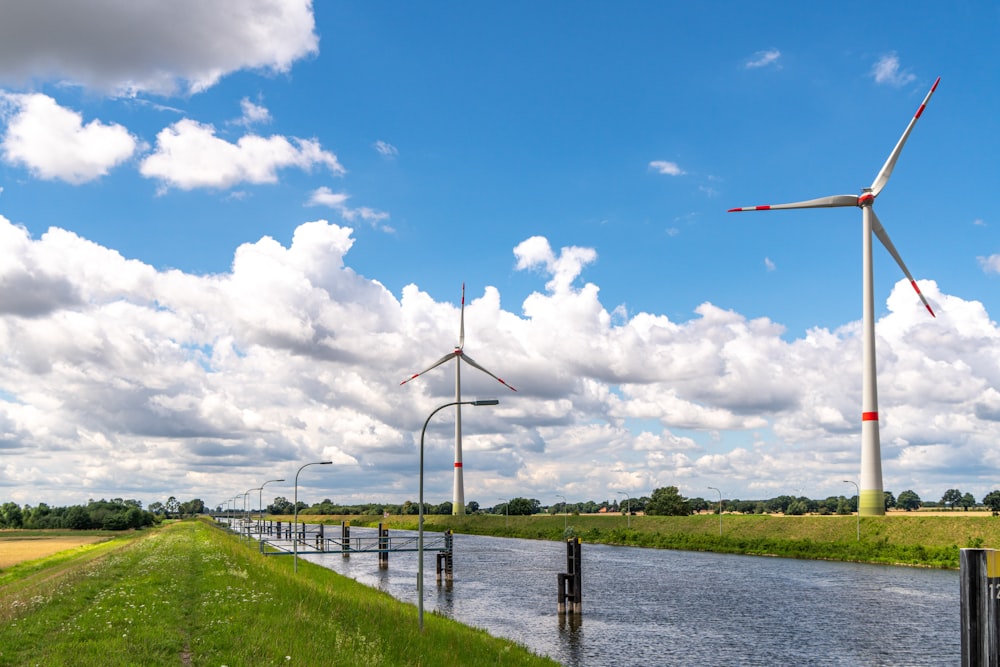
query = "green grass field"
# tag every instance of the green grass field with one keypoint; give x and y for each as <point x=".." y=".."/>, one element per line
<point x="192" y="594"/>
<point x="916" y="539"/>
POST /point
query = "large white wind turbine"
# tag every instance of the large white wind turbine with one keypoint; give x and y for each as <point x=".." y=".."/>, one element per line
<point x="871" y="500"/>
<point x="458" y="354"/>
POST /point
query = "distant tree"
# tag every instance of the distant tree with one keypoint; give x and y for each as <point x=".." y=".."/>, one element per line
<point x="992" y="501"/>
<point x="522" y="506"/>
<point x="701" y="505"/>
<point x="281" y="505"/>
<point x="157" y="507"/>
<point x="951" y="497"/>
<point x="471" y="507"/>
<point x="796" y="508"/>
<point x="11" y="515"/>
<point x="667" y="501"/>
<point x="779" y="504"/>
<point x="967" y="501"/>
<point x="77" y="518"/>
<point x="890" y="500"/>
<point x="908" y="500"/>
<point x="172" y="506"/>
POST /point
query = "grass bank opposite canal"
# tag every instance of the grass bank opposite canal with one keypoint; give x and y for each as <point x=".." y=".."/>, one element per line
<point x="189" y="593"/>
<point x="914" y="539"/>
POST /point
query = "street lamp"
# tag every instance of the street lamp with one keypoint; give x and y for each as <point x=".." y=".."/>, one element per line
<point x="260" y="498"/>
<point x="506" y="512"/>
<point x="565" y="511"/>
<point x="628" y="507"/>
<point x="246" y="515"/>
<point x="847" y="481"/>
<point x="420" y="509"/>
<point x="720" y="508"/>
<point x="295" y="524"/>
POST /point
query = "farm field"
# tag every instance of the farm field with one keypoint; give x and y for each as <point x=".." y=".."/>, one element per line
<point x="17" y="546"/>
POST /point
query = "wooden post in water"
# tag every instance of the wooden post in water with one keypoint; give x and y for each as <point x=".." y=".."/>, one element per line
<point x="319" y="539"/>
<point x="279" y="530"/>
<point x="383" y="548"/>
<point x="445" y="559"/>
<point x="979" y="583"/>
<point x="345" y="539"/>
<point x="571" y="582"/>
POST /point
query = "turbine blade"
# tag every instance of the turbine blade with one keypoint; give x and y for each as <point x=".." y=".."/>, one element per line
<point x="883" y="236"/>
<point x="890" y="164"/>
<point x="432" y="366"/>
<point x="467" y="359"/>
<point x="461" y="325"/>
<point x="822" y="202"/>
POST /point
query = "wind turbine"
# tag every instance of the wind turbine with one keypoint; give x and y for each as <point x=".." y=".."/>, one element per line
<point x="870" y="500"/>
<point x="458" y="354"/>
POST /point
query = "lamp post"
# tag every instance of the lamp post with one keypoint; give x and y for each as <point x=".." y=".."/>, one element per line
<point x="295" y="524"/>
<point x="565" y="511"/>
<point x="506" y="512"/>
<point x="260" y="498"/>
<point x="720" y="508"/>
<point x="420" y="509"/>
<point x="628" y="507"/>
<point x="847" y="481"/>
<point x="246" y="515"/>
<point x="232" y="520"/>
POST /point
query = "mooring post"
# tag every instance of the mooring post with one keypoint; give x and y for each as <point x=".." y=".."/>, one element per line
<point x="449" y="552"/>
<point x="979" y="584"/>
<point x="383" y="548"/>
<point x="319" y="539"/>
<point x="577" y="578"/>
<point x="570" y="597"/>
<point x="345" y="539"/>
<point x="445" y="562"/>
<point x="279" y="530"/>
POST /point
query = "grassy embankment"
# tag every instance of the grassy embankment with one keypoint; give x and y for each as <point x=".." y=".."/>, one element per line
<point x="913" y="539"/>
<point x="191" y="594"/>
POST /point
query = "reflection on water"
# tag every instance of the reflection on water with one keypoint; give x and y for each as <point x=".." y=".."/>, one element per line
<point x="655" y="607"/>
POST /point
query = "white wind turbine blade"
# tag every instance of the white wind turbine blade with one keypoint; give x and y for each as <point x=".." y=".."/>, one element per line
<point x="467" y="359"/>
<point x="883" y="236"/>
<point x="886" y="171"/>
<point x="437" y="363"/>
<point x="461" y="325"/>
<point x="822" y="202"/>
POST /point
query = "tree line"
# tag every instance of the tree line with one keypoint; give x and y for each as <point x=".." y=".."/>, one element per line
<point x="114" y="514"/>
<point x="664" y="501"/>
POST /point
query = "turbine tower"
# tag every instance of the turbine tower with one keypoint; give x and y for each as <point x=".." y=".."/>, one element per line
<point x="870" y="500"/>
<point x="458" y="354"/>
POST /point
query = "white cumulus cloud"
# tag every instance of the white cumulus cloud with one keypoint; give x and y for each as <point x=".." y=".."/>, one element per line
<point x="131" y="46"/>
<point x="54" y="143"/>
<point x="190" y="155"/>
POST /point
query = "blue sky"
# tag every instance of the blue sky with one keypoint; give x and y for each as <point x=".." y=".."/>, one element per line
<point x="572" y="164"/>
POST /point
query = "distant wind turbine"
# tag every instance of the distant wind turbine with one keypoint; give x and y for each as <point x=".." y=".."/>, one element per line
<point x="870" y="500"/>
<point x="458" y="495"/>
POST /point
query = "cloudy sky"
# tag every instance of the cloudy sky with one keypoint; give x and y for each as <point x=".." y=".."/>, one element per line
<point x="229" y="231"/>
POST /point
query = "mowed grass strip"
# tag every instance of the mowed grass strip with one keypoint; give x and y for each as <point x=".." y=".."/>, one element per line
<point x="191" y="594"/>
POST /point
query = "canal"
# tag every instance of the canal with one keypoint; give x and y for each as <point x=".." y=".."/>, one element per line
<point x="654" y="607"/>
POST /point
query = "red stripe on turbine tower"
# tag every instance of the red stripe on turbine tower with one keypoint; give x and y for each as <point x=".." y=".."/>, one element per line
<point x="869" y="416"/>
<point x="458" y="464"/>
